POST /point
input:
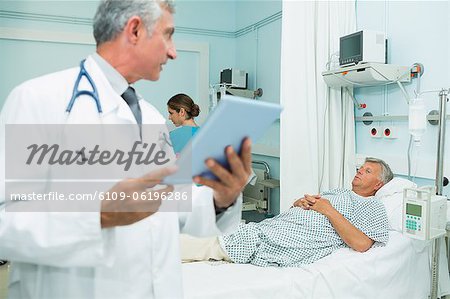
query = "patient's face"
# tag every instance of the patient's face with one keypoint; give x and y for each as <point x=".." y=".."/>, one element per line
<point x="367" y="179"/>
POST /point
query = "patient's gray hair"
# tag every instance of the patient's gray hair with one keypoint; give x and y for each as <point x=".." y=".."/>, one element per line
<point x="112" y="16"/>
<point x="386" y="172"/>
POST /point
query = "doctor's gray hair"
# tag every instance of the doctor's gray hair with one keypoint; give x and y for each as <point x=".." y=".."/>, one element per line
<point x="386" y="173"/>
<point x="112" y="16"/>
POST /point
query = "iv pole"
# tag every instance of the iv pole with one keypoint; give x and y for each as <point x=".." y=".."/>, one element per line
<point x="439" y="186"/>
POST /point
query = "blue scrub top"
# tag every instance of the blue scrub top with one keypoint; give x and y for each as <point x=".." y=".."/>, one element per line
<point x="181" y="136"/>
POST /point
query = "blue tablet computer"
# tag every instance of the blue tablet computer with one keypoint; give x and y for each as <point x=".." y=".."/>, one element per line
<point x="233" y="119"/>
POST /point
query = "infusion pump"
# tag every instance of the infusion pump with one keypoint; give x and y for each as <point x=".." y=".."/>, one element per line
<point x="424" y="213"/>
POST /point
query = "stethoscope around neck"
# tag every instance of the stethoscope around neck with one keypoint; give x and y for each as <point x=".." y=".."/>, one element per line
<point x="94" y="95"/>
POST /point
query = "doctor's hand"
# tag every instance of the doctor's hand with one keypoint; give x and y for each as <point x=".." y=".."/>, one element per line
<point x="231" y="182"/>
<point x="128" y="211"/>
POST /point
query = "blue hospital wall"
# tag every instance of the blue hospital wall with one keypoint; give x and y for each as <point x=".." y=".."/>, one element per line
<point x="417" y="31"/>
<point x="212" y="22"/>
<point x="259" y="53"/>
<point x="21" y="60"/>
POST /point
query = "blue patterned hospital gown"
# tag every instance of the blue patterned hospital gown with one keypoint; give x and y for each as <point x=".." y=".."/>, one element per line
<point x="298" y="237"/>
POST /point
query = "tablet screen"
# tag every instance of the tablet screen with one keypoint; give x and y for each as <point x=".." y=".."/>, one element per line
<point x="233" y="120"/>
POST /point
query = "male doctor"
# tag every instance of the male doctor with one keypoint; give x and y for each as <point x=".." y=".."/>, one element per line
<point x="108" y="254"/>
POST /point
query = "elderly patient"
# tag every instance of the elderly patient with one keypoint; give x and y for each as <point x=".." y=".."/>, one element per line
<point x="314" y="227"/>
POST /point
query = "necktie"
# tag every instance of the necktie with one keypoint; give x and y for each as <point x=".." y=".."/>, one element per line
<point x="130" y="97"/>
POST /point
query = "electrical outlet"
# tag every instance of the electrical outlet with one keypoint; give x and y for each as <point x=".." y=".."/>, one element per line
<point x="376" y="132"/>
<point x="390" y="132"/>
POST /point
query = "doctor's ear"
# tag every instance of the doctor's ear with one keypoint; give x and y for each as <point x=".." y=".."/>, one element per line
<point x="133" y="29"/>
<point x="182" y="112"/>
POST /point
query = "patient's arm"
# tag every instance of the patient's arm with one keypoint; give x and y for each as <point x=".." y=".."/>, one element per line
<point x="352" y="236"/>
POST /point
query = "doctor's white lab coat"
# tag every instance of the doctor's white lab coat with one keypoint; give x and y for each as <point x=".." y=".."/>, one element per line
<point x="67" y="254"/>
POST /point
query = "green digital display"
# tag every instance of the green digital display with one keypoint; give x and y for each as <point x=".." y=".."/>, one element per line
<point x="415" y="210"/>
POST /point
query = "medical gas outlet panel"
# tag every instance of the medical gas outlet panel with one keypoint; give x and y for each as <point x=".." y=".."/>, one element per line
<point x="424" y="214"/>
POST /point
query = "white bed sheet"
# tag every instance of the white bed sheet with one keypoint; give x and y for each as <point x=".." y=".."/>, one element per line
<point x="399" y="270"/>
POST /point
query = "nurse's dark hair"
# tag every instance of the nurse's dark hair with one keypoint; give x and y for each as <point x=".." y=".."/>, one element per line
<point x="112" y="16"/>
<point x="386" y="173"/>
<point x="184" y="101"/>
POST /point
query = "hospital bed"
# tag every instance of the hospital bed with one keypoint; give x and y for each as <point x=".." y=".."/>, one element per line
<point x="398" y="270"/>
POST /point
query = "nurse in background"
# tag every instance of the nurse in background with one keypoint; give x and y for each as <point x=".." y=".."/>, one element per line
<point x="182" y="111"/>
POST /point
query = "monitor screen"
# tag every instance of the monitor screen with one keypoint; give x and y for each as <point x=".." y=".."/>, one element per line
<point x="350" y="50"/>
<point x="412" y="209"/>
<point x="351" y="46"/>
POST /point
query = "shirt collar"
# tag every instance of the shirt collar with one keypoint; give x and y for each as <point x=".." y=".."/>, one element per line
<point x="117" y="81"/>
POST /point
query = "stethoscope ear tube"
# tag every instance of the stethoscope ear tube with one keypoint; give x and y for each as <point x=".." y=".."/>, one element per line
<point x="76" y="92"/>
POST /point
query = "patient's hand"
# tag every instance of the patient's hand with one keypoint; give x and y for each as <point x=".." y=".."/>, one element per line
<point x="319" y="204"/>
<point x="304" y="203"/>
<point x="301" y="203"/>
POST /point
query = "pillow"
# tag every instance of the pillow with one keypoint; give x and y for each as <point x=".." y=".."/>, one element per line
<point x="391" y="195"/>
<point x="396" y="185"/>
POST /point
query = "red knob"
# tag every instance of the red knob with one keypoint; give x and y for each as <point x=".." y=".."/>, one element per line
<point x="373" y="131"/>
